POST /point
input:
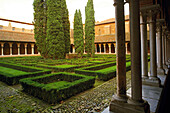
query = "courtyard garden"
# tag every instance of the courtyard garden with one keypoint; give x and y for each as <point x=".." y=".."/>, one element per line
<point x="35" y="84"/>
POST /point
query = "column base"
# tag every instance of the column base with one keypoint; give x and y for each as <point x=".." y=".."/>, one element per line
<point x="129" y="107"/>
<point x="160" y="71"/>
<point x="151" y="81"/>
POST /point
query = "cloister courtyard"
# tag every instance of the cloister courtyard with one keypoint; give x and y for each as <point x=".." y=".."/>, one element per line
<point x="16" y="97"/>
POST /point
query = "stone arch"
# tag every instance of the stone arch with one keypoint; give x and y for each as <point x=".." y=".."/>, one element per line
<point x="128" y="47"/>
<point x="35" y="49"/>
<point x="102" y="48"/>
<point x="112" y="48"/>
<point x="28" y="48"/>
<point x="107" y="48"/>
<point x="22" y="49"/>
<point x="6" y="49"/>
<point x="14" y="49"/>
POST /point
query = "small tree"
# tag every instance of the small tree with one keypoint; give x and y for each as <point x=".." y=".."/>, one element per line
<point x="78" y="33"/>
<point x="66" y="25"/>
<point x="90" y="28"/>
<point x="55" y="30"/>
<point x="40" y="25"/>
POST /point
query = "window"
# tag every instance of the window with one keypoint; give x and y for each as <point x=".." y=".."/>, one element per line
<point x="1" y="27"/>
<point x="23" y="29"/>
<point x="13" y="28"/>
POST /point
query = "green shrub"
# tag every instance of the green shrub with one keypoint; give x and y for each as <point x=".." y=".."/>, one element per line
<point x="55" y="87"/>
<point x="12" y="73"/>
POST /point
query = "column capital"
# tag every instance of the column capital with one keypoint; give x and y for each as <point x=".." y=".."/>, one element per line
<point x="164" y="28"/>
<point x="2" y="44"/>
<point x="159" y="23"/>
<point x="25" y="44"/>
<point x="18" y="45"/>
<point x="104" y="44"/>
<point x="114" y="44"/>
<point x="32" y="45"/>
<point x="100" y="45"/>
<point x="109" y="44"/>
<point x="10" y="44"/>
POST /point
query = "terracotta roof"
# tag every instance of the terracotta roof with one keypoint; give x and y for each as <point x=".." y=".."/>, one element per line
<point x="105" y="38"/>
<point x="16" y="36"/>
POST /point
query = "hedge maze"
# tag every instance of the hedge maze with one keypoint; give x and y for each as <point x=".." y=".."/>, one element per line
<point x="56" y="80"/>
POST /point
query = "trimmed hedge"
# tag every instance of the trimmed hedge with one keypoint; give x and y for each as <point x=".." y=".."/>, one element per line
<point x="55" y="87"/>
<point x="12" y="73"/>
<point x="102" y="72"/>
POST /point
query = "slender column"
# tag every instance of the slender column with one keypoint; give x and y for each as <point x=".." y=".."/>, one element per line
<point x="160" y="70"/>
<point x="163" y="45"/>
<point x="18" y="45"/>
<point x="152" y="29"/>
<point x="144" y="44"/>
<point x="126" y="45"/>
<point x="73" y="49"/>
<point x="10" y="45"/>
<point x="135" y="46"/>
<point x="115" y="48"/>
<point x="100" y="49"/>
<point x="25" y="48"/>
<point x="95" y="48"/>
<point x="109" y="47"/>
<point x="166" y="36"/>
<point x="32" y="46"/>
<point x="120" y="48"/>
<point x="2" y="47"/>
<point x="104" y="48"/>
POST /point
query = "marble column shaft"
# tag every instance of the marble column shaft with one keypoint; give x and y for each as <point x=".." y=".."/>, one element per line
<point x="104" y="48"/>
<point x="100" y="49"/>
<point x="120" y="48"/>
<point x="109" y="47"/>
<point x="2" y="48"/>
<point x="144" y="45"/>
<point x="135" y="46"/>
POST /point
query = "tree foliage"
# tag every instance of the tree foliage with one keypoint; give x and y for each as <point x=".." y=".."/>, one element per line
<point x="55" y="30"/>
<point x="78" y="33"/>
<point x="40" y="25"/>
<point x="89" y="29"/>
<point x="66" y="25"/>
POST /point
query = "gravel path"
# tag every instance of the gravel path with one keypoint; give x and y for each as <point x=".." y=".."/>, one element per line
<point x="12" y="99"/>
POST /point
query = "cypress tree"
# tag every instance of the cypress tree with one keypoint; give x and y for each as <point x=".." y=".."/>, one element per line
<point x="78" y="33"/>
<point x="55" y="30"/>
<point x="40" y="25"/>
<point x="90" y="28"/>
<point x="66" y="25"/>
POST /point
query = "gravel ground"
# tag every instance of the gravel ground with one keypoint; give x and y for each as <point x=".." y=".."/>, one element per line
<point x="12" y="99"/>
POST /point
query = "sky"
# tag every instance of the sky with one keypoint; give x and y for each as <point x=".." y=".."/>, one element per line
<point x="22" y="10"/>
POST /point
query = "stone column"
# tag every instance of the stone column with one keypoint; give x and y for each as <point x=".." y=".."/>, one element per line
<point x="126" y="45"/>
<point x="144" y="44"/>
<point x="115" y="48"/>
<point x="10" y="45"/>
<point x="160" y="70"/>
<point x="135" y="46"/>
<point x="120" y="95"/>
<point x="2" y="47"/>
<point x="18" y="45"/>
<point x="95" y="48"/>
<point x="109" y="44"/>
<point x="104" y="48"/>
<point x="74" y="50"/>
<point x="166" y="36"/>
<point x="100" y="49"/>
<point x="32" y="46"/>
<point x="25" y="48"/>
<point x="163" y="46"/>
<point x="152" y="31"/>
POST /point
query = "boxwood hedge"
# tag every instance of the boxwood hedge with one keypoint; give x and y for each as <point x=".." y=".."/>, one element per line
<point x="12" y="73"/>
<point x="55" y="87"/>
<point x="102" y="72"/>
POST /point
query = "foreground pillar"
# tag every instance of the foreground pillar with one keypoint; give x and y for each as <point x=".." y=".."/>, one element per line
<point x="144" y="44"/>
<point x="160" y="70"/>
<point x="120" y="98"/>
<point x="152" y="30"/>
